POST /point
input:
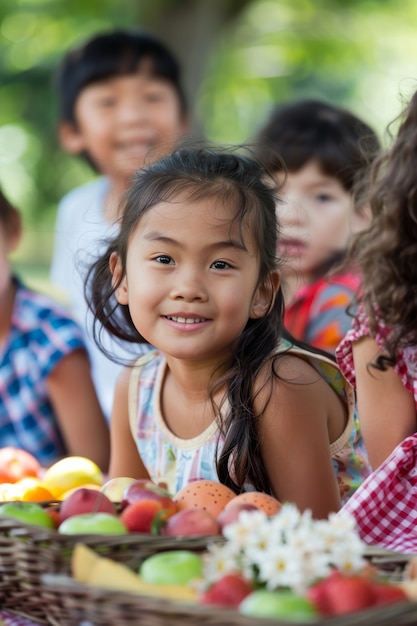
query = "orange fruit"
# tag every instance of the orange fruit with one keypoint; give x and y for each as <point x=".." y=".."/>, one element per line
<point x="262" y="501"/>
<point x="204" y="494"/>
<point x="31" y="490"/>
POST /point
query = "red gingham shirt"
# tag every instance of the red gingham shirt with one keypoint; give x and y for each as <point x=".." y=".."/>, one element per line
<point x="385" y="505"/>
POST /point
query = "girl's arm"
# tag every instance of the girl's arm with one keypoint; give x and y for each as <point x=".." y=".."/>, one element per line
<point x="124" y="459"/>
<point x="81" y="421"/>
<point x="386" y="409"/>
<point x="294" y="438"/>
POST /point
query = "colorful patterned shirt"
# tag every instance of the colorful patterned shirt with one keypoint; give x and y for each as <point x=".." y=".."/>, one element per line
<point x="41" y="335"/>
<point x="318" y="313"/>
<point x="178" y="461"/>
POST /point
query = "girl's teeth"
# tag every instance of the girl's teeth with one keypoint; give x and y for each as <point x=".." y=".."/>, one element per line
<point x="186" y="320"/>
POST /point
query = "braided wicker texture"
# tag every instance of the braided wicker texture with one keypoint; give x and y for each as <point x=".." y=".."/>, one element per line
<point x="71" y="604"/>
<point x="28" y="552"/>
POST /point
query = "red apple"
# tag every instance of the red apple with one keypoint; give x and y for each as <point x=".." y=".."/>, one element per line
<point x="144" y="489"/>
<point x="85" y="500"/>
<point x="189" y="522"/>
<point x="16" y="463"/>
<point x="145" y="516"/>
<point x="230" y="514"/>
<point x="229" y="591"/>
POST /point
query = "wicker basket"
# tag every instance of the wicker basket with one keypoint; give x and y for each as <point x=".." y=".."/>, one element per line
<point x="71" y="604"/>
<point x="27" y="552"/>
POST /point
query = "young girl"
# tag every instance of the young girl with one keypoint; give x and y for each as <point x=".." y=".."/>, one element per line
<point x="194" y="272"/>
<point x="48" y="405"/>
<point x="379" y="354"/>
<point x="324" y="152"/>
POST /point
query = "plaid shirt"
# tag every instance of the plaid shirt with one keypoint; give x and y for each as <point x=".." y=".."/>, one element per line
<point x="385" y="505"/>
<point x="41" y="334"/>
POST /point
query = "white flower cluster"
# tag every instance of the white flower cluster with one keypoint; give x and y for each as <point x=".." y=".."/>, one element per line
<point x="289" y="549"/>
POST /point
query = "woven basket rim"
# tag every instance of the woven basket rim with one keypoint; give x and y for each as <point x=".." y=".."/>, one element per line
<point x="125" y="601"/>
<point x="40" y="533"/>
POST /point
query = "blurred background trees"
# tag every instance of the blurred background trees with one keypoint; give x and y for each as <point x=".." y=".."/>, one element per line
<point x="239" y="58"/>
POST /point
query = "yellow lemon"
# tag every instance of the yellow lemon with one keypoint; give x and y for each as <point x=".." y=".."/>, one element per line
<point x="71" y="472"/>
<point x="6" y="492"/>
<point x="31" y="490"/>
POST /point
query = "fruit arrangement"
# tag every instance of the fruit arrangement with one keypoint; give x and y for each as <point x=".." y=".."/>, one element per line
<point x="23" y="478"/>
<point x="82" y="502"/>
<point x="271" y="561"/>
<point x="285" y="567"/>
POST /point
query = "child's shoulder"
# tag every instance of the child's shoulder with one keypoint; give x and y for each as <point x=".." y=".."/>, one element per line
<point x="33" y="307"/>
<point x="301" y="361"/>
<point x="86" y="194"/>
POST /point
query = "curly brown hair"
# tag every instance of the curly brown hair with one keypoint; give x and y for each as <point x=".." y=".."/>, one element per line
<point x="386" y="253"/>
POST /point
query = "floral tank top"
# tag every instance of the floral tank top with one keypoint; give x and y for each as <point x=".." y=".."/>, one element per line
<point x="177" y="461"/>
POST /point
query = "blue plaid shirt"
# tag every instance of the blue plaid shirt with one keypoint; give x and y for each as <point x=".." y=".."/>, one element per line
<point x="41" y="334"/>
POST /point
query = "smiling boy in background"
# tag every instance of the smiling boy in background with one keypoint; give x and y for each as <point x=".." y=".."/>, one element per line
<point x="121" y="105"/>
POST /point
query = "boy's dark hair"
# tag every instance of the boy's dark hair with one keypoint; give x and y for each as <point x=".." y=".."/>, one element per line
<point x="240" y="183"/>
<point x="298" y="132"/>
<point x="113" y="53"/>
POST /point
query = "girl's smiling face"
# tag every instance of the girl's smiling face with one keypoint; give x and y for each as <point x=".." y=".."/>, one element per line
<point x="191" y="279"/>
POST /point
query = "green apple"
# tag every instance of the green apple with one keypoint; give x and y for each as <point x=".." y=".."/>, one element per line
<point x="173" y="567"/>
<point x="28" y="513"/>
<point x="280" y="604"/>
<point x="93" y="524"/>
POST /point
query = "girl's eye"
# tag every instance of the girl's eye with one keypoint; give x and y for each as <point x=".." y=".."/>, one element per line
<point x="323" y="197"/>
<point x="154" y="97"/>
<point x="220" y="265"/>
<point x="107" y="101"/>
<point x="164" y="259"/>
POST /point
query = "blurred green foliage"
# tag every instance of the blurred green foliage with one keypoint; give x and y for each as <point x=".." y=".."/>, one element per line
<point x="358" y="53"/>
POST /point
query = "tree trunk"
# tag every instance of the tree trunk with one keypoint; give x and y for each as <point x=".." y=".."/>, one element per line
<point x="191" y="29"/>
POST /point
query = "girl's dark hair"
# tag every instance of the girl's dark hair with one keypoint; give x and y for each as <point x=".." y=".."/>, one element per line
<point x="299" y="132"/>
<point x="386" y="253"/>
<point x="113" y="53"/>
<point x="242" y="184"/>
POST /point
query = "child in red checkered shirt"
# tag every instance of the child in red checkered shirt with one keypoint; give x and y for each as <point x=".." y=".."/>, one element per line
<point x="379" y="354"/>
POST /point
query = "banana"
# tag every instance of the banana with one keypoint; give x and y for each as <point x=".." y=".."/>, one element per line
<point x="91" y="569"/>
